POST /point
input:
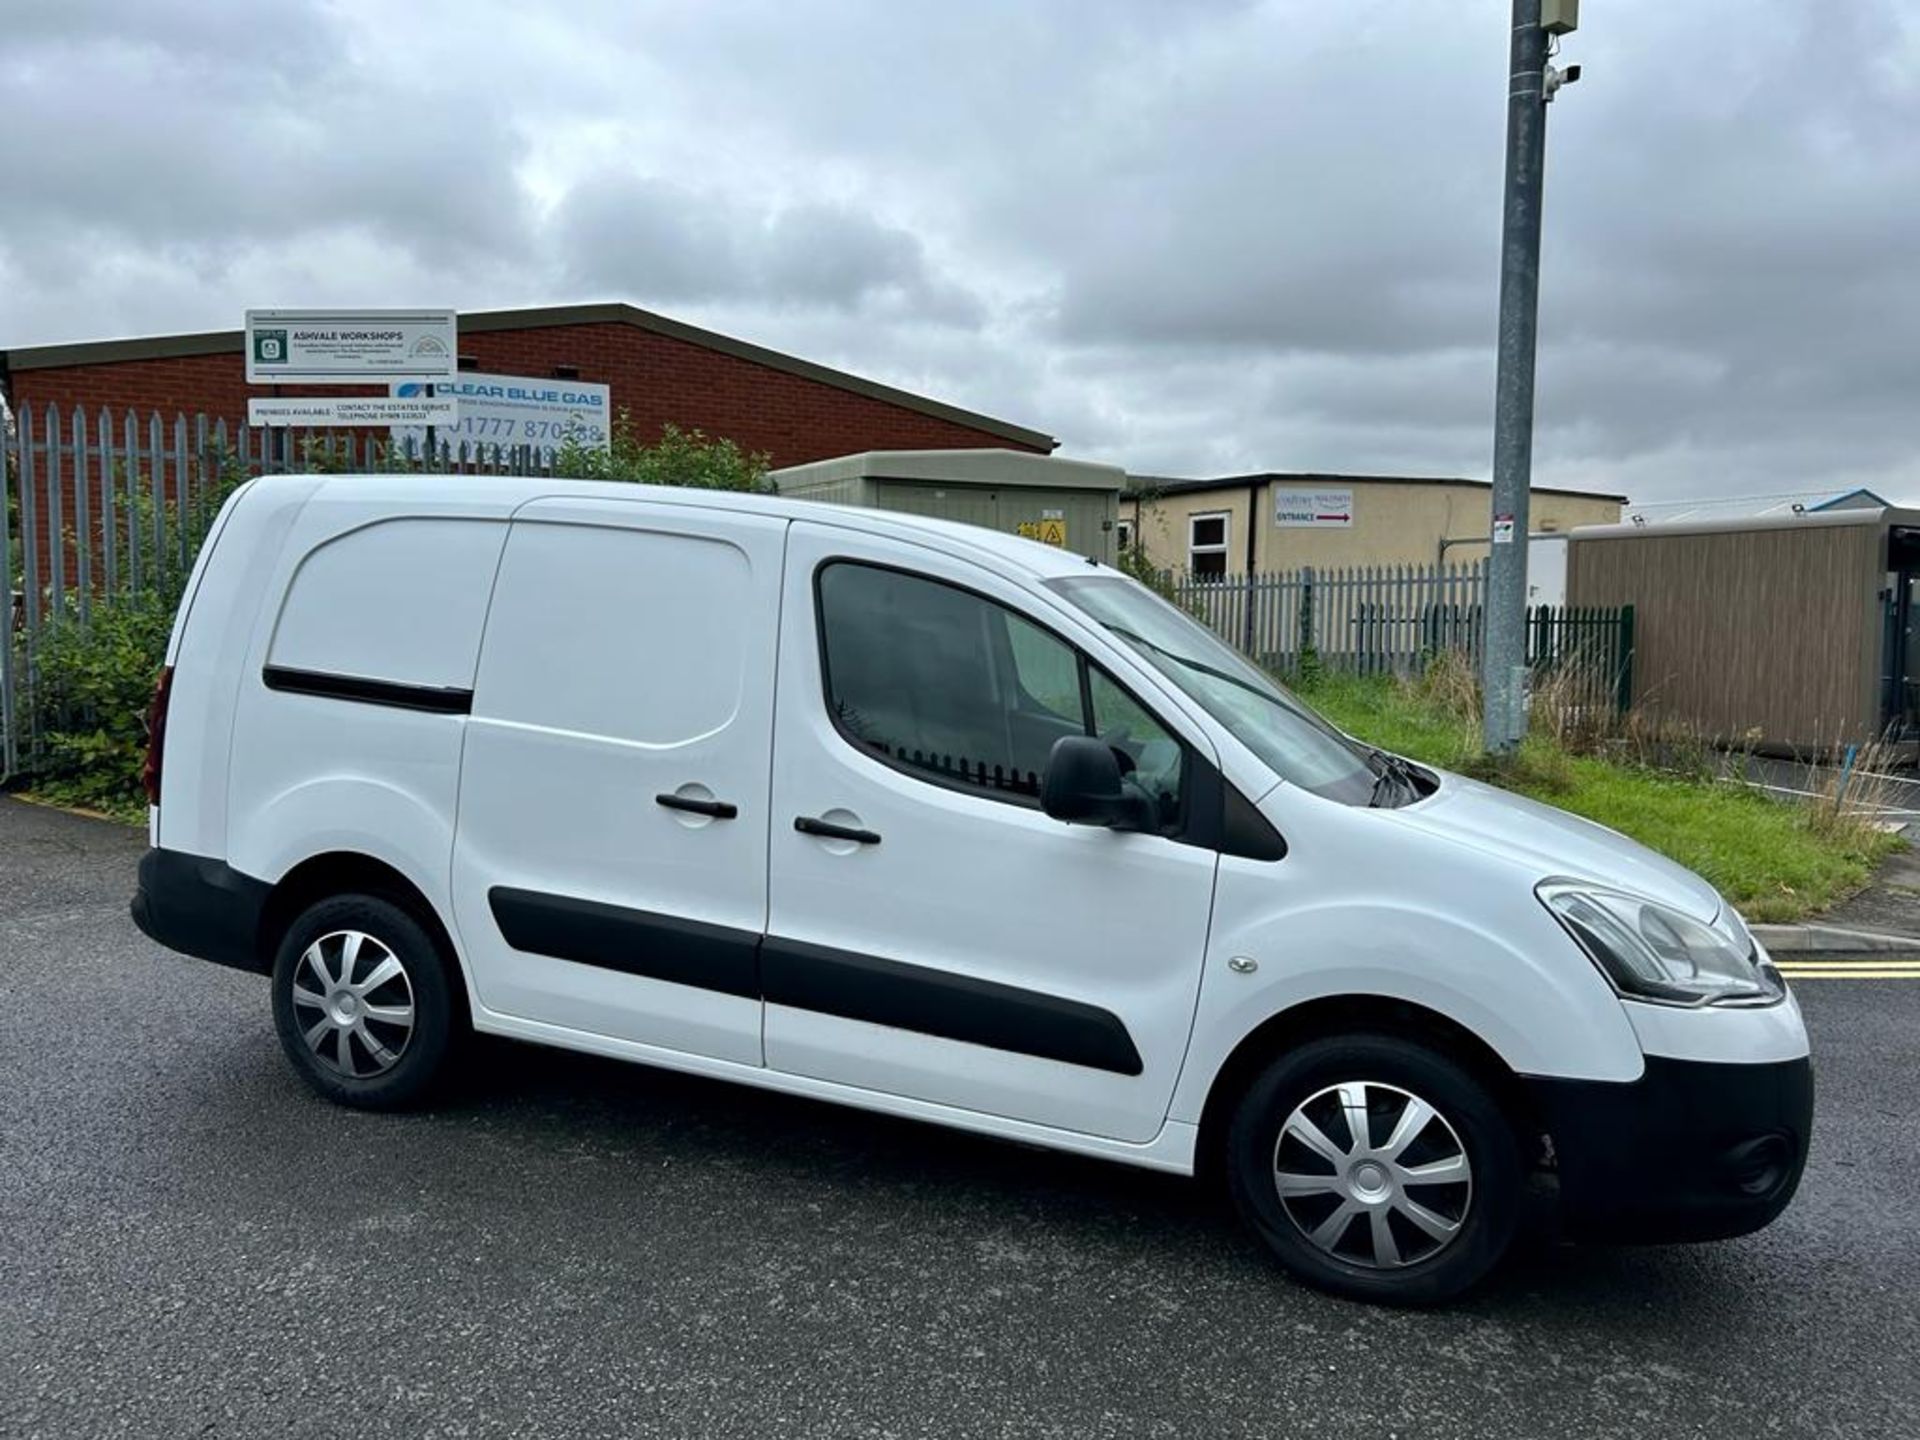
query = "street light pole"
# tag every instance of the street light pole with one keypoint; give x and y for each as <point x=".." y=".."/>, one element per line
<point x="1504" y="684"/>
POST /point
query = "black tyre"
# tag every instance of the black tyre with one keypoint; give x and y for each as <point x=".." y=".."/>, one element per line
<point x="363" y="1002"/>
<point x="1377" y="1168"/>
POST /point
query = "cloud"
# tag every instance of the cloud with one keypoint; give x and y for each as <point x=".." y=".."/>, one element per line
<point x="625" y="235"/>
<point x="179" y="136"/>
<point x="1231" y="235"/>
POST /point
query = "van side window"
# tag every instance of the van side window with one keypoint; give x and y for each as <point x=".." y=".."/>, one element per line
<point x="399" y="601"/>
<point x="948" y="684"/>
<point x="626" y="634"/>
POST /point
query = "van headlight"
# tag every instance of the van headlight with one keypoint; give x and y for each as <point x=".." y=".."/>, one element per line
<point x="1652" y="952"/>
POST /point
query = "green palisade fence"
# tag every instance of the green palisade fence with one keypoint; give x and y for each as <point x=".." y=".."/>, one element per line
<point x="1394" y="619"/>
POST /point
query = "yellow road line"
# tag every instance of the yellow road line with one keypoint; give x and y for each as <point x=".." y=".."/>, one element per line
<point x="1857" y="972"/>
<point x="1863" y="962"/>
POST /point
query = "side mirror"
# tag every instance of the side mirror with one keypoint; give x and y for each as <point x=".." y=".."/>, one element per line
<point x="1082" y="786"/>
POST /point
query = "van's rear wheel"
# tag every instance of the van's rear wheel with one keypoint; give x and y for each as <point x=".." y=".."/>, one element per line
<point x="1376" y="1167"/>
<point x="362" y="1002"/>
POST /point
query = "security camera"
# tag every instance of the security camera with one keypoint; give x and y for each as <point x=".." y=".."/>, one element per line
<point x="1556" y="77"/>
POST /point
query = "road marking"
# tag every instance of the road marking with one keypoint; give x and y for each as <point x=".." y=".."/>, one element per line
<point x="1849" y="962"/>
<point x="1850" y="969"/>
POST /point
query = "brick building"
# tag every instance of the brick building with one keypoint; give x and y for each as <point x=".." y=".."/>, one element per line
<point x="660" y="371"/>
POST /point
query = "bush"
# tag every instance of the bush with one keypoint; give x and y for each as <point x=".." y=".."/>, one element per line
<point x="678" y="457"/>
<point x="93" y="677"/>
<point x="94" y="683"/>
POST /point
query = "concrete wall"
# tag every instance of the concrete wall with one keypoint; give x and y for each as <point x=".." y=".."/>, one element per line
<point x="1394" y="523"/>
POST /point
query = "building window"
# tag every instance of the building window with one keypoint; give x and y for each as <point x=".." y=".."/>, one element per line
<point x="1207" y="543"/>
<point x="1123" y="531"/>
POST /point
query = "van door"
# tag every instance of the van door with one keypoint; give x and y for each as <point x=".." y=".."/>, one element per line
<point x="932" y="933"/>
<point x="610" y="856"/>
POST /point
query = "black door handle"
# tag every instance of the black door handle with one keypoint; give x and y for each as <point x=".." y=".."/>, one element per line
<point x="827" y="830"/>
<point x="718" y="809"/>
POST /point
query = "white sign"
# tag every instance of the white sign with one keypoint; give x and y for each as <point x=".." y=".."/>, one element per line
<point x="353" y="410"/>
<point x="346" y="347"/>
<point x="1313" y="509"/>
<point x="517" y="410"/>
<point x="1503" y="529"/>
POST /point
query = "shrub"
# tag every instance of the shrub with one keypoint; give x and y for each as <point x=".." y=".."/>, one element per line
<point x="94" y="682"/>
<point x="678" y="457"/>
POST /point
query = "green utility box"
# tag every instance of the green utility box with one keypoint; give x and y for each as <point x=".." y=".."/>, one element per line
<point x="1069" y="503"/>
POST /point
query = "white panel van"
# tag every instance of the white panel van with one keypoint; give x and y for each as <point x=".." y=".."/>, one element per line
<point x="938" y="822"/>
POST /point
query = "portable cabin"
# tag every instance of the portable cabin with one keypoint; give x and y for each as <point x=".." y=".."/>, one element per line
<point x="1792" y="634"/>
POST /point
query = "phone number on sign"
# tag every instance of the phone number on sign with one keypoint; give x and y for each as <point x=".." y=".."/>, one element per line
<point x="492" y="427"/>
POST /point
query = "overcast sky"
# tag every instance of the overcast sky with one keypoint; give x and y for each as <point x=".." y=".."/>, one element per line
<point x="1190" y="236"/>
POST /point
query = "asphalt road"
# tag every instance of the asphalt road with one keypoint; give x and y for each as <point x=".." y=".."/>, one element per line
<point x="192" y="1245"/>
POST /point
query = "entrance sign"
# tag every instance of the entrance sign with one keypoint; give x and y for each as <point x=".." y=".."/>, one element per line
<point x="354" y="410"/>
<point x="347" y="347"/>
<point x="1313" y="509"/>
<point x="515" y="410"/>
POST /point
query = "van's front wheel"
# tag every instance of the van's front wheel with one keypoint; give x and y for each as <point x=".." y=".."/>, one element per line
<point x="362" y="1002"/>
<point x="1377" y="1168"/>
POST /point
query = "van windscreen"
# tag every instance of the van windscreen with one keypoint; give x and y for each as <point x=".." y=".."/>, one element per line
<point x="1300" y="747"/>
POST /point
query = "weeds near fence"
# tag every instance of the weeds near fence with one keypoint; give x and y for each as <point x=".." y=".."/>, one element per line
<point x="1848" y="801"/>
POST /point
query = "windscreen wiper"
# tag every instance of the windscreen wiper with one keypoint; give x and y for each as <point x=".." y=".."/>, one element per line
<point x="1391" y="772"/>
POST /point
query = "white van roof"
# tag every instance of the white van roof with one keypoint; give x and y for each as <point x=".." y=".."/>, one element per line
<point x="504" y="494"/>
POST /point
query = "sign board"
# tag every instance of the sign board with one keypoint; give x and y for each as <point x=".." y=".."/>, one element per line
<point x="515" y="410"/>
<point x="1503" y="529"/>
<point x="347" y="347"/>
<point x="1313" y="509"/>
<point x="353" y="410"/>
<point x="1050" y="531"/>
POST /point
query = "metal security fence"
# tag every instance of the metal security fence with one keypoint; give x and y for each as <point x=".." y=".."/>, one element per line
<point x="1386" y="619"/>
<point x="1584" y="651"/>
<point x="1394" y="619"/>
<point x="101" y="508"/>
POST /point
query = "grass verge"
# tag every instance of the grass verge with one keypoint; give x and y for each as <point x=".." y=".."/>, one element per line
<point x="1775" y="861"/>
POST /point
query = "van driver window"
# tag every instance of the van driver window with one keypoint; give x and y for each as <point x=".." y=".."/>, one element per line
<point x="943" y="682"/>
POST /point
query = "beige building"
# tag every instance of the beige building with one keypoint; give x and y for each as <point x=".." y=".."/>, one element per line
<point x="1279" y="522"/>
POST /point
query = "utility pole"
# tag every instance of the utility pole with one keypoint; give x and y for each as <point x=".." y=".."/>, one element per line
<point x="1530" y="85"/>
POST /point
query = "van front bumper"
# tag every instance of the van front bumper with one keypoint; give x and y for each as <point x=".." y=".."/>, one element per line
<point x="201" y="907"/>
<point x="1692" y="1150"/>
